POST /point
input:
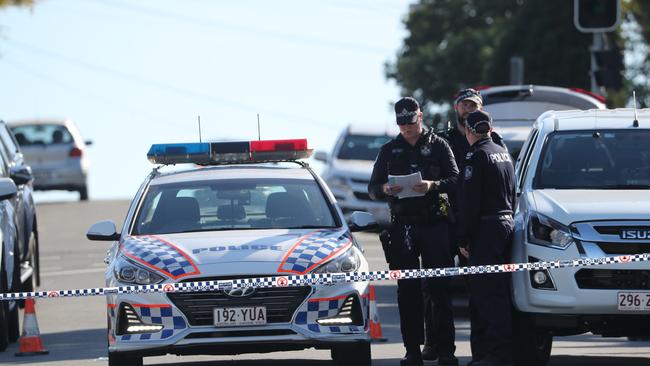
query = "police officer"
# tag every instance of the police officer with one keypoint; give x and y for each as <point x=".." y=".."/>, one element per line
<point x="465" y="102"/>
<point x="418" y="226"/>
<point x="487" y="227"/>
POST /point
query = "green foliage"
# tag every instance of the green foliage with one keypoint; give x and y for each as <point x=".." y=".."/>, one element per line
<point x="453" y="44"/>
<point x="5" y="3"/>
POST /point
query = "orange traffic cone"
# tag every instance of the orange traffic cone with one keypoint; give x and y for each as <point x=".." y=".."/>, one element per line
<point x="30" y="342"/>
<point x="375" y="327"/>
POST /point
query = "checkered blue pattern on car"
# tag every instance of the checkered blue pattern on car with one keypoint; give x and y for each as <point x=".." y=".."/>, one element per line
<point x="164" y="315"/>
<point x="323" y="308"/>
<point x="313" y="249"/>
<point x="110" y="309"/>
<point x="159" y="255"/>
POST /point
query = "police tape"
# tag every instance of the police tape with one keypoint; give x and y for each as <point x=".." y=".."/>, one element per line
<point x="328" y="278"/>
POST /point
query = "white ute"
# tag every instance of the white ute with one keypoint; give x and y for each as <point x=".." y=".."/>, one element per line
<point x="583" y="192"/>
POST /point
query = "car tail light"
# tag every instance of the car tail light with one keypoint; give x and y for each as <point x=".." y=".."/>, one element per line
<point x="76" y="152"/>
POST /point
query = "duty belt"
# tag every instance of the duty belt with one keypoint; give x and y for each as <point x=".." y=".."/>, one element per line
<point x="415" y="220"/>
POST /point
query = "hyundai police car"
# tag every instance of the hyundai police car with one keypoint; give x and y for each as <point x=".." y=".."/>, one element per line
<point x="247" y="210"/>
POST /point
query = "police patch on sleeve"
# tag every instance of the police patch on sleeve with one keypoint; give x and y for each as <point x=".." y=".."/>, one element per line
<point x="468" y="172"/>
<point x="425" y="150"/>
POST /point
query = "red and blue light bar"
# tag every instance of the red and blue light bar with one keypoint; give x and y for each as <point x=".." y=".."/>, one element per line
<point x="237" y="152"/>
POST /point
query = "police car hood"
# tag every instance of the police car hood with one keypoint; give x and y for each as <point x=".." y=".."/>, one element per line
<point x="353" y="168"/>
<point x="572" y="205"/>
<point x="218" y="253"/>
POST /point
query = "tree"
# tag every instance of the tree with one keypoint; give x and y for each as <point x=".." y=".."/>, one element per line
<point x="5" y="3"/>
<point x="453" y="44"/>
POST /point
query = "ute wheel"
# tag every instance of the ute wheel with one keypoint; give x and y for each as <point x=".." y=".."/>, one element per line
<point x="119" y="359"/>
<point x="532" y="347"/>
<point x="13" y="325"/>
<point x="357" y="354"/>
<point x="83" y="193"/>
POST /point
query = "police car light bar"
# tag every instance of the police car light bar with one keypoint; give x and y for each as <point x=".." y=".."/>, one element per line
<point x="216" y="153"/>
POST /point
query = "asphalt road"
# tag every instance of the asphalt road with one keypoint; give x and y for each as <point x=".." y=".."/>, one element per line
<point x="74" y="329"/>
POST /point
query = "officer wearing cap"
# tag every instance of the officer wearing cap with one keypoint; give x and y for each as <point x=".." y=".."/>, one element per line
<point x="465" y="102"/>
<point x="486" y="236"/>
<point x="418" y="226"/>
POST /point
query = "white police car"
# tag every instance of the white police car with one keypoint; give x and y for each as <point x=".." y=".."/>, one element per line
<point x="230" y="219"/>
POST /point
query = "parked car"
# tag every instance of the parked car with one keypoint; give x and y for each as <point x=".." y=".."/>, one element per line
<point x="19" y="232"/>
<point x="514" y="108"/>
<point x="583" y="188"/>
<point x="56" y="153"/>
<point x="349" y="166"/>
<point x="229" y="221"/>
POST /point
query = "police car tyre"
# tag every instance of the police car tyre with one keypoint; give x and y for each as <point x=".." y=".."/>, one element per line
<point x="358" y="354"/>
<point x="532" y="347"/>
<point x="33" y="281"/>
<point x="120" y="359"/>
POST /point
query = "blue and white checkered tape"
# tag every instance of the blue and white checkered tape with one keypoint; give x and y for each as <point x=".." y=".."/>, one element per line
<point x="330" y="278"/>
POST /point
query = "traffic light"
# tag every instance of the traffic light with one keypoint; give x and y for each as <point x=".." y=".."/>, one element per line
<point x="596" y="16"/>
<point x="609" y="68"/>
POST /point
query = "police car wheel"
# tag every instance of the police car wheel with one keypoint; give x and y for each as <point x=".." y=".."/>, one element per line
<point x="119" y="359"/>
<point x="357" y="354"/>
<point x="532" y="348"/>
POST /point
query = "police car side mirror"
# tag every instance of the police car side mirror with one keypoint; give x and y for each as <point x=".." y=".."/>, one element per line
<point x="7" y="188"/>
<point x="103" y="231"/>
<point x="321" y="156"/>
<point x="360" y="221"/>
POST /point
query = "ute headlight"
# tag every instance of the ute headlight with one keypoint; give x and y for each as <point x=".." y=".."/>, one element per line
<point x="543" y="230"/>
<point x="346" y="262"/>
<point x="338" y="182"/>
<point x="128" y="272"/>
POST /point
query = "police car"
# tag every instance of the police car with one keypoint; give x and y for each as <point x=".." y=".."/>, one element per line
<point x="244" y="210"/>
<point x="583" y="194"/>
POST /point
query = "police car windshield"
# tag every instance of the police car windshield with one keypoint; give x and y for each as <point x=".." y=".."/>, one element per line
<point x="606" y="159"/>
<point x="361" y="147"/>
<point x="233" y="204"/>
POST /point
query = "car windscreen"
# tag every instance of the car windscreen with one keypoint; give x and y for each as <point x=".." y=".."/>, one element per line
<point x="41" y="134"/>
<point x="233" y="204"/>
<point x="361" y="147"/>
<point x="606" y="159"/>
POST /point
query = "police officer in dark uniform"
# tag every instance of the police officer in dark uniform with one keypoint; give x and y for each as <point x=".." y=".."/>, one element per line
<point x="418" y="226"/>
<point x="487" y="227"/>
<point x="465" y="102"/>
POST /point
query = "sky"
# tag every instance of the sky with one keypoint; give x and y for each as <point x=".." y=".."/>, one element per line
<point x="133" y="73"/>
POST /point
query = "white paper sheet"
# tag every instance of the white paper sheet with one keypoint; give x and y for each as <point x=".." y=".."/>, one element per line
<point x="406" y="182"/>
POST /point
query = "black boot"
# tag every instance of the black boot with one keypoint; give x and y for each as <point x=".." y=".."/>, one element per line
<point x="429" y="353"/>
<point x="447" y="360"/>
<point x="412" y="358"/>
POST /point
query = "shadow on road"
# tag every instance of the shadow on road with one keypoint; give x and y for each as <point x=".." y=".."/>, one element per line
<point x="72" y="345"/>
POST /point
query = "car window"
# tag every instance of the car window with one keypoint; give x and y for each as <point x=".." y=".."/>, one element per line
<point x="361" y="147"/>
<point x="608" y="159"/>
<point x="45" y="134"/>
<point x="523" y="160"/>
<point x="233" y="205"/>
<point x="8" y="141"/>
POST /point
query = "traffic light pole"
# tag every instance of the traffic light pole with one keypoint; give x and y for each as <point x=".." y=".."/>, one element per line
<point x="597" y="45"/>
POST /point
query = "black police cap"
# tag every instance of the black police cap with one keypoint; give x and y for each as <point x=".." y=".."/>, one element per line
<point x="406" y="111"/>
<point x="479" y="121"/>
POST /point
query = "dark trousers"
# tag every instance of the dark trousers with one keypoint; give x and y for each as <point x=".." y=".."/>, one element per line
<point x="431" y="243"/>
<point x="429" y="320"/>
<point x="490" y="303"/>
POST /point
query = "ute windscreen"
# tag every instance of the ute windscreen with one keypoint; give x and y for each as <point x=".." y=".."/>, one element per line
<point x="361" y="147"/>
<point x="607" y="159"/>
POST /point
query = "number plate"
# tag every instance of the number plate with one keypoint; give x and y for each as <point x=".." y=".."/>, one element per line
<point x="233" y="317"/>
<point x="635" y="301"/>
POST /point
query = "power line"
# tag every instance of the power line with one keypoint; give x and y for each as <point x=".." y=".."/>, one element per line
<point x="133" y="78"/>
<point x="257" y="32"/>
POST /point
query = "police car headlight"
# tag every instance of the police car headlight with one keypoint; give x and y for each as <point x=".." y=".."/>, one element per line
<point x="543" y="230"/>
<point x="128" y="272"/>
<point x="346" y="262"/>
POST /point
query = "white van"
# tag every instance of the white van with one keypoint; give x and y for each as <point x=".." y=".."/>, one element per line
<point x="514" y="108"/>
